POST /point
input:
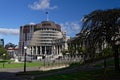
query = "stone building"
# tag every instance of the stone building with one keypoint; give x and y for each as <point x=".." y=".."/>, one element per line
<point x="2" y="42"/>
<point x="43" y="39"/>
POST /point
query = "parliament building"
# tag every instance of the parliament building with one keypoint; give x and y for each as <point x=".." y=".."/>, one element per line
<point x="43" y="39"/>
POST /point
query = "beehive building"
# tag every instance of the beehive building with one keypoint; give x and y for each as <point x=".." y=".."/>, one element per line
<point x="43" y="39"/>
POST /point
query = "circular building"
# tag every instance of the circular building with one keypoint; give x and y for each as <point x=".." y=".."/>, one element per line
<point x="44" y="39"/>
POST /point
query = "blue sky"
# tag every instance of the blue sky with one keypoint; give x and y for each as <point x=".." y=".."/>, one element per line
<point x="67" y="13"/>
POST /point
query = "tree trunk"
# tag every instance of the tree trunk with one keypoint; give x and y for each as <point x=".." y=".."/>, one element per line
<point x="116" y="58"/>
<point x="105" y="62"/>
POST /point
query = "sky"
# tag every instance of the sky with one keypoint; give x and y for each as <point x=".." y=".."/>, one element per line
<point x="67" y="13"/>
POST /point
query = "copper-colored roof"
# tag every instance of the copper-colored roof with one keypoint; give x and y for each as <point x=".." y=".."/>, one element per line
<point x="48" y="25"/>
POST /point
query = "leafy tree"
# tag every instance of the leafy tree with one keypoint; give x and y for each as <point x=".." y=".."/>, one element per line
<point x="106" y="53"/>
<point x="104" y="26"/>
<point x="3" y="53"/>
<point x="10" y="45"/>
<point x="71" y="50"/>
<point x="64" y="52"/>
<point x="83" y="52"/>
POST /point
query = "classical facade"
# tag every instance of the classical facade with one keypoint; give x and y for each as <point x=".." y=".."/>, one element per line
<point x="43" y="39"/>
<point x="13" y="51"/>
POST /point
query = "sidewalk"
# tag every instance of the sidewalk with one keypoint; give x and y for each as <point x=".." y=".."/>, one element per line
<point x="10" y="73"/>
<point x="15" y="70"/>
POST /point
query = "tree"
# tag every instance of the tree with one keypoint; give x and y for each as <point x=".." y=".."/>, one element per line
<point x="3" y="53"/>
<point x="106" y="52"/>
<point x="10" y="45"/>
<point x="84" y="53"/>
<point x="104" y="26"/>
<point x="64" y="52"/>
<point x="71" y="50"/>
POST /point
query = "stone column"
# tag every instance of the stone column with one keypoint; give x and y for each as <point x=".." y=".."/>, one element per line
<point x="57" y="50"/>
<point x="53" y="50"/>
<point x="36" y="50"/>
<point x="45" y="50"/>
<point x="63" y="46"/>
<point x="40" y="50"/>
<point x="32" y="50"/>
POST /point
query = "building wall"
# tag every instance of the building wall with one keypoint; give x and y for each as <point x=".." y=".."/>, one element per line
<point x="2" y="42"/>
<point x="44" y="39"/>
<point x="26" y="32"/>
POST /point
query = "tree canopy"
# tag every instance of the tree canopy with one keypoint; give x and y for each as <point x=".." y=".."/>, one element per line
<point x="3" y="51"/>
<point x="103" y="26"/>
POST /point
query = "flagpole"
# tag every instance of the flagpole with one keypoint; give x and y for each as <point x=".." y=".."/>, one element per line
<point x="47" y="16"/>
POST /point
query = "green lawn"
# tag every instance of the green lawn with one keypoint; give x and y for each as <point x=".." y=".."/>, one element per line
<point x="99" y="74"/>
<point x="6" y="64"/>
<point x="85" y="75"/>
<point x="109" y="63"/>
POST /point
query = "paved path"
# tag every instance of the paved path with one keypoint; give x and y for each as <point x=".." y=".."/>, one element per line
<point x="14" y="70"/>
<point x="9" y="76"/>
<point x="10" y="73"/>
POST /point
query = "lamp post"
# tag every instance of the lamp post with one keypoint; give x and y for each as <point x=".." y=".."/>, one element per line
<point x="4" y="61"/>
<point x="25" y="48"/>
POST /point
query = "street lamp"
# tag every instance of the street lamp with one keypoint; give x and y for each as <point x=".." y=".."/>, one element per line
<point x="4" y="61"/>
<point x="25" y="48"/>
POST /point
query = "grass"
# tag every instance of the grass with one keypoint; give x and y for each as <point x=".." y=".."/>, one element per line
<point x="109" y="63"/>
<point x="98" y="74"/>
<point x="6" y="64"/>
<point x="85" y="75"/>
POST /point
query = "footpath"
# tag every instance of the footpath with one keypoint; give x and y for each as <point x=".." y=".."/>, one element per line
<point x="10" y="73"/>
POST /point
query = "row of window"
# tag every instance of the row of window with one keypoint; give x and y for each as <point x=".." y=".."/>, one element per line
<point x="47" y="29"/>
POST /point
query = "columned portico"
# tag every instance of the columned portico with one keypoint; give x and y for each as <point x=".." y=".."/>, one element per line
<point x="45" y="50"/>
<point x="36" y="50"/>
<point x="55" y="49"/>
<point x="40" y="50"/>
<point x="32" y="49"/>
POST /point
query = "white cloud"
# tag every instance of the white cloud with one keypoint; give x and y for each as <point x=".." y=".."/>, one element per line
<point x="71" y="28"/>
<point x="32" y="23"/>
<point x="5" y="31"/>
<point x="42" y="5"/>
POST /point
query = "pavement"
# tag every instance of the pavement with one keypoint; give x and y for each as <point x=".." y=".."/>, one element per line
<point x="10" y="73"/>
<point x="9" y="76"/>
